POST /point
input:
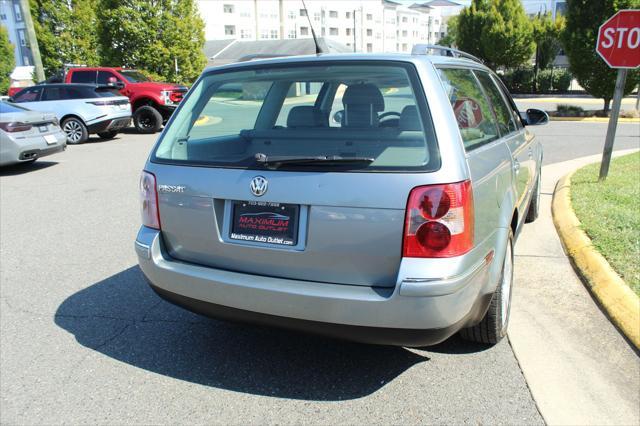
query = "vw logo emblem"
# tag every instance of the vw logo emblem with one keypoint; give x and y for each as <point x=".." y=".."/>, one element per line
<point x="259" y="186"/>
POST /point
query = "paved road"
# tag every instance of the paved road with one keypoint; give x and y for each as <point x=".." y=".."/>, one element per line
<point x="83" y="340"/>
<point x="550" y="102"/>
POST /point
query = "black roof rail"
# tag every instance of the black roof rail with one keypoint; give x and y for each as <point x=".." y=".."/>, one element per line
<point x="424" y="49"/>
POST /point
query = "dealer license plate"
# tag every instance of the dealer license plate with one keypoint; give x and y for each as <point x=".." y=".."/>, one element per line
<point x="263" y="222"/>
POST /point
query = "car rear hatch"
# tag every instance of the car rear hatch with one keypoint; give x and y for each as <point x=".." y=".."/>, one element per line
<point x="252" y="176"/>
<point x="26" y="124"/>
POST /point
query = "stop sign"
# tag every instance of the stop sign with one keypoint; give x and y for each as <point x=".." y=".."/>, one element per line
<point x="619" y="40"/>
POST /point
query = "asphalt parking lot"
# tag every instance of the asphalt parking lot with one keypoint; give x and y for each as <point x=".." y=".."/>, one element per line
<point x="83" y="339"/>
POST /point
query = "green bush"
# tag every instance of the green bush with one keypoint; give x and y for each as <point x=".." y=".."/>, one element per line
<point x="564" y="110"/>
<point x="519" y="80"/>
<point x="561" y="80"/>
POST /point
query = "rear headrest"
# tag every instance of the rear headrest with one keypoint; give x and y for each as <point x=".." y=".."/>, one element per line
<point x="364" y="94"/>
<point x="306" y="116"/>
<point x="409" y="119"/>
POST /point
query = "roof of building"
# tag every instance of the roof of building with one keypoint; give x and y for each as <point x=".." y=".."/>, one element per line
<point x="436" y="3"/>
<point x="227" y="51"/>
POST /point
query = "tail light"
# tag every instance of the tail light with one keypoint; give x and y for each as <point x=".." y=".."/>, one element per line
<point x="14" y="126"/>
<point x="105" y="103"/>
<point x="175" y="97"/>
<point x="439" y="221"/>
<point x="149" y="200"/>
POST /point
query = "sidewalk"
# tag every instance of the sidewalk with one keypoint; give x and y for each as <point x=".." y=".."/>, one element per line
<point x="579" y="368"/>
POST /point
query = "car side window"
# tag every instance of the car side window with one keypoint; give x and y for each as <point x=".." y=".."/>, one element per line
<point x="31" y="94"/>
<point x="104" y="76"/>
<point x="510" y="102"/>
<point x="502" y="110"/>
<point x="52" y="94"/>
<point x="471" y="108"/>
<point x="83" y="77"/>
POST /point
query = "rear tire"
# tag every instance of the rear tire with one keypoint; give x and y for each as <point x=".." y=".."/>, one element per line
<point x="147" y="119"/>
<point x="493" y="326"/>
<point x="108" y="135"/>
<point x="76" y="131"/>
<point x="534" y="204"/>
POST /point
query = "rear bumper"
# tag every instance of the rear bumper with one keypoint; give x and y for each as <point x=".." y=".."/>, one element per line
<point x="359" y="313"/>
<point x="112" y="124"/>
<point x="29" y="149"/>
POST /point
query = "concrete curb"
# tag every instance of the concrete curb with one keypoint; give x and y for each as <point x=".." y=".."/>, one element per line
<point x="618" y="300"/>
<point x="595" y="119"/>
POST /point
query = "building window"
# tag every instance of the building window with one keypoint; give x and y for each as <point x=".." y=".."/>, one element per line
<point x="348" y="31"/>
<point x="369" y="47"/>
<point x="17" y="11"/>
<point x="324" y="33"/>
<point x="245" y="34"/>
<point x="404" y="33"/>
<point x="3" y="17"/>
<point x="304" y="31"/>
<point x="316" y="16"/>
<point x="333" y="31"/>
<point x="333" y="14"/>
<point x="303" y="12"/>
<point x="292" y="14"/>
<point x="404" y="19"/>
<point x="292" y="34"/>
<point x="369" y="17"/>
<point x="369" y="32"/>
<point x="245" y="14"/>
<point x="347" y="15"/>
<point x="22" y="36"/>
<point x="273" y="34"/>
<point x="404" y="47"/>
<point x="229" y="30"/>
<point x="264" y="34"/>
<point x="378" y="36"/>
<point x="228" y="8"/>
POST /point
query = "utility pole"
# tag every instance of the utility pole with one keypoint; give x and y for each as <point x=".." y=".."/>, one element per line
<point x="354" y="30"/>
<point x="33" y="41"/>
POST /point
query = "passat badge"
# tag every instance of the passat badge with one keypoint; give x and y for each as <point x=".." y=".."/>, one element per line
<point x="258" y="186"/>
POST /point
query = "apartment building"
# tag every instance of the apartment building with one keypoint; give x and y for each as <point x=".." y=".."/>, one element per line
<point x="362" y="25"/>
<point x="11" y="17"/>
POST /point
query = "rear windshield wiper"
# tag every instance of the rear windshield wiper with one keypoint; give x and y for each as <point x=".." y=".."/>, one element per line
<point x="274" y="162"/>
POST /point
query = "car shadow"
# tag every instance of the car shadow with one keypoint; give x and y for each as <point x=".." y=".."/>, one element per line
<point x="122" y="318"/>
<point x="22" y="168"/>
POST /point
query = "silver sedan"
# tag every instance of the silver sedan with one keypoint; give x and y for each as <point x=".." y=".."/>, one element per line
<point x="27" y="135"/>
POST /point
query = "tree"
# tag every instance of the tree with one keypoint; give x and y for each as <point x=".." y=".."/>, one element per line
<point x="7" y="61"/>
<point x="153" y="35"/>
<point x="66" y="32"/>
<point x="452" y="29"/>
<point x="546" y="35"/>
<point x="579" y="38"/>
<point x="497" y="31"/>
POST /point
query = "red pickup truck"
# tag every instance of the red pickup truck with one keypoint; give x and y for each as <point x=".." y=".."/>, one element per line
<point x="152" y="103"/>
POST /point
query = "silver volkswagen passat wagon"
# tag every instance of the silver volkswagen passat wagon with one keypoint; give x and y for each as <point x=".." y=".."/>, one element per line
<point x="375" y="198"/>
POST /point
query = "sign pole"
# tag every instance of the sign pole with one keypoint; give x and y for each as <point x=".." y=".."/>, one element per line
<point x="613" y="122"/>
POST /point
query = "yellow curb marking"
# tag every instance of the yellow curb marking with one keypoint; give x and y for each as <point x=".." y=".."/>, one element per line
<point x="205" y="120"/>
<point x="619" y="301"/>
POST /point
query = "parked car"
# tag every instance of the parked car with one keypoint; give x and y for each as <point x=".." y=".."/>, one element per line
<point x="152" y="102"/>
<point x="371" y="197"/>
<point x="82" y="109"/>
<point x="27" y="135"/>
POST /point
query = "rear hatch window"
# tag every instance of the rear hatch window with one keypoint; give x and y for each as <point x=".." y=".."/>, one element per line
<point x="344" y="116"/>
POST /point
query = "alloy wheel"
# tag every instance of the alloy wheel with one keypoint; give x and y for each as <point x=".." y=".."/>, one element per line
<point x="73" y="129"/>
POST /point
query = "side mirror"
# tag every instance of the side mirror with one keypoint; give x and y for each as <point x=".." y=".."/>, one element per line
<point x="338" y="116"/>
<point x="119" y="85"/>
<point x="534" y="117"/>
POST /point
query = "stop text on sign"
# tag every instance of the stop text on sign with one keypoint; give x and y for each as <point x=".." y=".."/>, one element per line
<point x="629" y="37"/>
